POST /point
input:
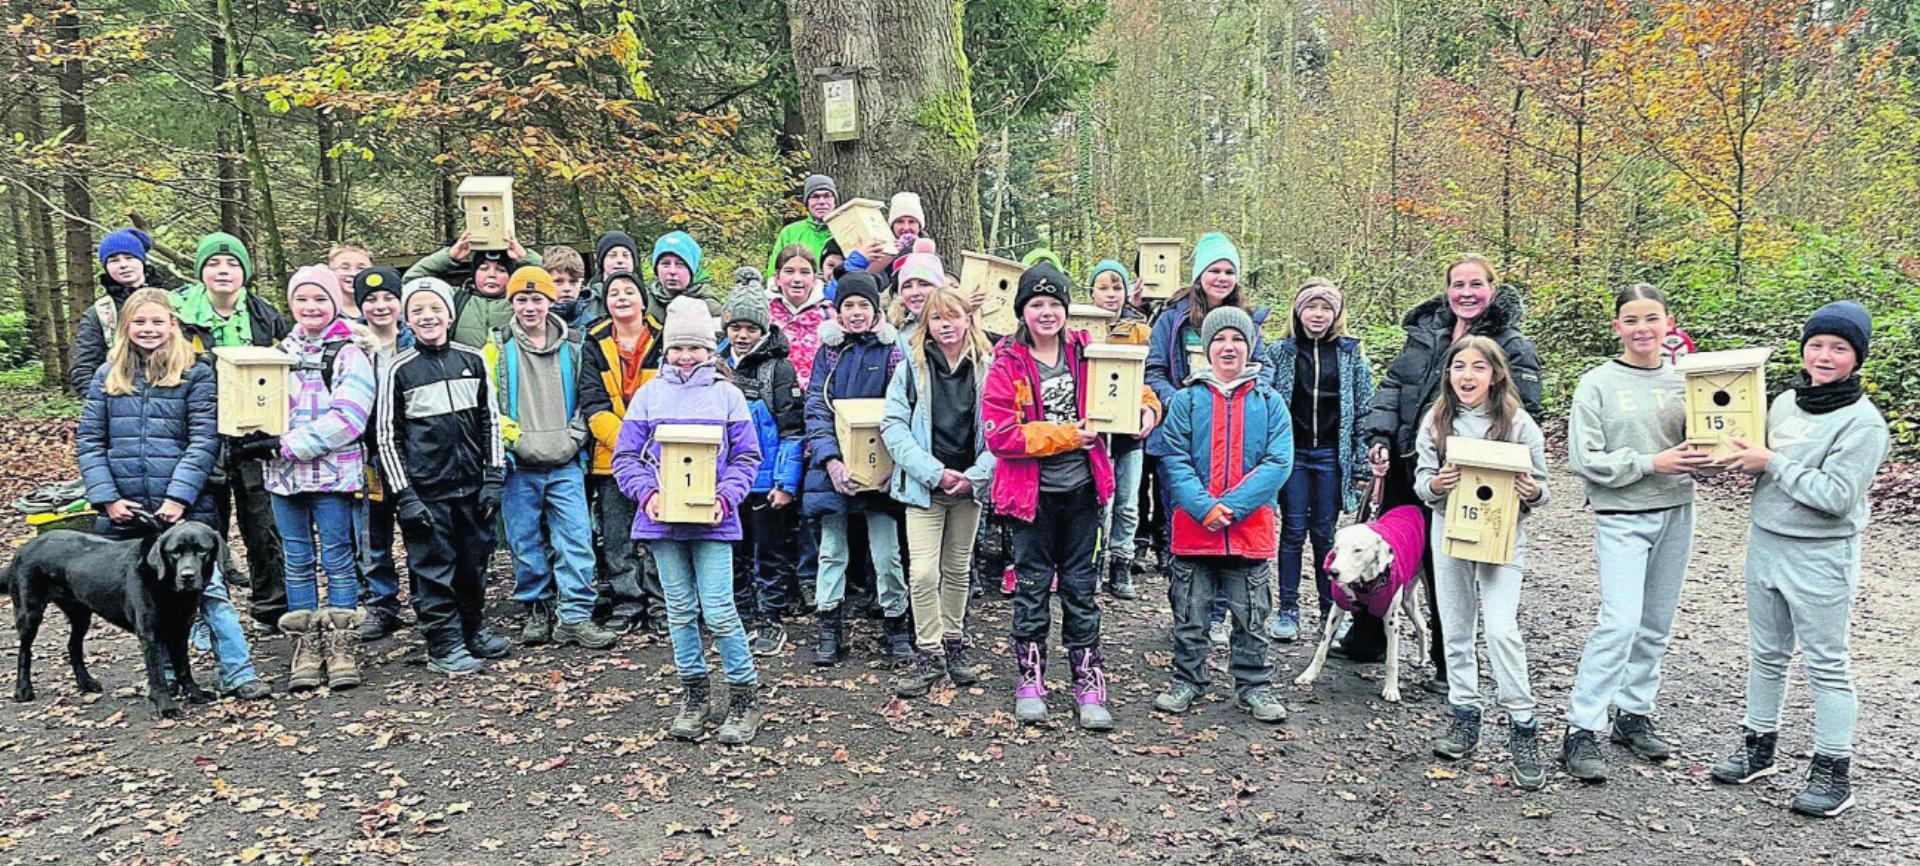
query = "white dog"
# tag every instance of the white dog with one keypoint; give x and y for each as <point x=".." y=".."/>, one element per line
<point x="1362" y="568"/>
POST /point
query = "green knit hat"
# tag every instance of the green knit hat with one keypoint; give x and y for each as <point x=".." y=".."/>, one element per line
<point x="221" y="243"/>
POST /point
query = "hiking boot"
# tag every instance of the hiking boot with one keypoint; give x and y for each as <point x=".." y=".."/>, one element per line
<point x="913" y="680"/>
<point x="342" y="626"/>
<point x="585" y="634"/>
<point x="485" y="644"/>
<point x="1285" y="626"/>
<point x="456" y="662"/>
<point x="1523" y="742"/>
<point x="1120" y="579"/>
<point x="1753" y="760"/>
<point x="691" y="722"/>
<point x="768" y="640"/>
<point x="1580" y="754"/>
<point x="378" y="623"/>
<point x="622" y="621"/>
<point x="1636" y="732"/>
<point x="1262" y="704"/>
<point x="743" y="715"/>
<point x="832" y="648"/>
<point x="1090" y="688"/>
<point x="1828" y="792"/>
<point x="1462" y="736"/>
<point x="960" y="666"/>
<point x="252" y="690"/>
<point x="900" y="652"/>
<point x="1030" y="693"/>
<point x="539" y="626"/>
<point x="1219" y="634"/>
<point x="308" y="670"/>
<point x="1178" y="696"/>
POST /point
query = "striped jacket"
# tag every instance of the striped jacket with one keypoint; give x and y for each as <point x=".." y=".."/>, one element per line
<point x="438" y="429"/>
<point x="322" y="451"/>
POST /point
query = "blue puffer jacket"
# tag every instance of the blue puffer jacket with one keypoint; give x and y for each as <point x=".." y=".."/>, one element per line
<point x="778" y="406"/>
<point x="849" y="366"/>
<point x="151" y="446"/>
<point x="1356" y="399"/>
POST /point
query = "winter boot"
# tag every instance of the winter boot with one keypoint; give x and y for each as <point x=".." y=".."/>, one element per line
<point x="832" y="648"/>
<point x="1580" y="754"/>
<point x="1030" y="695"/>
<point x="1462" y="736"/>
<point x="539" y="627"/>
<point x="691" y="722"/>
<point x="1120" y="579"/>
<point x="1828" y="791"/>
<point x="309" y="667"/>
<point x="1636" y="733"/>
<point x="915" y="679"/>
<point x="900" y="652"/>
<point x="960" y="666"/>
<point x="1523" y="743"/>
<point x="342" y="624"/>
<point x="1753" y="760"/>
<point x="1090" y="688"/>
<point x="743" y="715"/>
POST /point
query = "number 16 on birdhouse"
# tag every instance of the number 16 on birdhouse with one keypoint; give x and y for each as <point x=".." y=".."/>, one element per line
<point x="1483" y="511"/>
<point x="689" y="471"/>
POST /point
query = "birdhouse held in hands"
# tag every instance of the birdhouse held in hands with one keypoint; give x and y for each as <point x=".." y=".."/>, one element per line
<point x="1096" y="321"/>
<point x="996" y="280"/>
<point x="488" y="203"/>
<point x="856" y="425"/>
<point x="1483" y="512"/>
<point x="1116" y="375"/>
<point x="1159" y="267"/>
<point x="1726" y="398"/>
<point x="252" y="386"/>
<point x="858" y="222"/>
<point x="689" y="471"/>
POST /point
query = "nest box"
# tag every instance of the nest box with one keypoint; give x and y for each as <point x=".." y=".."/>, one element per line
<point x="858" y="221"/>
<point x="856" y="425"/>
<point x="689" y="471"/>
<point x="1483" y="512"/>
<point x="1726" y="398"/>
<point x="997" y="280"/>
<point x="252" y="385"/>
<point x="1159" y="267"/>
<point x="1096" y="321"/>
<point x="488" y="203"/>
<point x="1116" y="378"/>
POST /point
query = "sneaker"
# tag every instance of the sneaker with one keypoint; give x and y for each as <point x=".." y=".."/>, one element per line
<point x="1007" y="579"/>
<point x="1219" y="634"/>
<point x="487" y="645"/>
<point x="252" y="690"/>
<point x="915" y="679"/>
<point x="1285" y="626"/>
<point x="1263" y="705"/>
<point x="585" y="634"/>
<point x="1580" y="754"/>
<point x="1828" y="791"/>
<point x="457" y="662"/>
<point x="1753" y="760"/>
<point x="379" y="623"/>
<point x="1523" y="741"/>
<point x="1636" y="733"/>
<point x="1177" y="698"/>
<point x="769" y="640"/>
<point x="621" y="622"/>
<point x="539" y="626"/>
<point x="1462" y="736"/>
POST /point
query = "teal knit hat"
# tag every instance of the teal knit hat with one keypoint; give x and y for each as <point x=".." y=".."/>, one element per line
<point x="1105" y="265"/>
<point x="221" y="243"/>
<point x="679" y="244"/>
<point x="1213" y="247"/>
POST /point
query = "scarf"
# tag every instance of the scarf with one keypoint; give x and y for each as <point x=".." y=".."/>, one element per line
<point x="195" y="307"/>
<point x="1821" y="399"/>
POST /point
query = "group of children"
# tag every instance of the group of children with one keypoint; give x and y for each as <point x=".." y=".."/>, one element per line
<point x="535" y="399"/>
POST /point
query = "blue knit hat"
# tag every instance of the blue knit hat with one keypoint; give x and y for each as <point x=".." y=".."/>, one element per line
<point x="1213" y="247"/>
<point x="680" y="244"/>
<point x="1844" y="319"/>
<point x="131" y="241"/>
<point x="1105" y="265"/>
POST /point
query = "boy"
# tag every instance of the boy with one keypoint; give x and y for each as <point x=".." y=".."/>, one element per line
<point x="820" y="196"/>
<point x="676" y="272"/>
<point x="764" y="584"/>
<point x="376" y="291"/>
<point x="574" y="300"/>
<point x="535" y="360"/>
<point x="123" y="269"/>
<point x="622" y="354"/>
<point x="347" y="260"/>
<point x="480" y="305"/>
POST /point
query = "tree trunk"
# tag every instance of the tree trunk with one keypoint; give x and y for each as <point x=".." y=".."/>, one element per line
<point x="75" y="190"/>
<point x="999" y="194"/>
<point x="330" y="209"/>
<point x="232" y="193"/>
<point x="35" y="298"/>
<point x="443" y="194"/>
<point x="38" y="258"/>
<point x="917" y="129"/>
<point x="268" y="217"/>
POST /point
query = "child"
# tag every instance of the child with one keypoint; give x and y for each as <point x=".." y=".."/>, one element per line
<point x="1053" y="476"/>
<point x="1324" y="377"/>
<point x="441" y="459"/>
<point x="376" y="292"/>
<point x="1803" y="553"/>
<point x="146" y="445"/>
<point x="696" y="561"/>
<point x="480" y="304"/>
<point x="347" y="260"/>
<point x="623" y="354"/>
<point x="1223" y="514"/>
<point x="764" y="586"/>
<point x="1122" y="519"/>
<point x="676" y="272"/>
<point x="1627" y="437"/>
<point x="820" y="196"/>
<point x="575" y="301"/>
<point x="1481" y="402"/>
<point x="123" y="269"/>
<point x="314" y="471"/>
<point x="857" y="358"/>
<point x="920" y="273"/>
<point x="799" y="308"/>
<point x="535" y="362"/>
<point x="941" y="467"/>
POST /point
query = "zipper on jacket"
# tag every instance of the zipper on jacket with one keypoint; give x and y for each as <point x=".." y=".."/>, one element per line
<point x="1315" y="391"/>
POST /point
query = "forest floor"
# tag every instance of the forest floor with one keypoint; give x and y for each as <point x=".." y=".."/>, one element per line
<point x="559" y="755"/>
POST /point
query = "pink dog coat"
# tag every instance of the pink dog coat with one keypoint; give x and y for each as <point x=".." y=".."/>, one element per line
<point x="1405" y="531"/>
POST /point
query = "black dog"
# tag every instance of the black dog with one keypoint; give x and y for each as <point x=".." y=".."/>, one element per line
<point x="149" y="586"/>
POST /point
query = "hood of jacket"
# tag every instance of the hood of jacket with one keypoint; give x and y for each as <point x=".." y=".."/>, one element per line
<point x="833" y="334"/>
<point x="1205" y="374"/>
<point x="556" y="334"/>
<point x="773" y="345"/>
<point x="1433" y="314"/>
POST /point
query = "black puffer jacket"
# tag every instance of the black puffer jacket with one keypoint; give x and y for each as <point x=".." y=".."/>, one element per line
<point x="1412" y="381"/>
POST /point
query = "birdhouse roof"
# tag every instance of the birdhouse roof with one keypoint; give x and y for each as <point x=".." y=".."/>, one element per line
<point x="1721" y="362"/>
<point x="854" y="204"/>
<point x="481" y="184"/>
<point x="1116" y="351"/>
<point x="690" y="434"/>
<point x="1089" y="311"/>
<point x="994" y="261"/>
<point x="1155" y="241"/>
<point x="1489" y="454"/>
<point x="861" y="413"/>
<point x="253" y="355"/>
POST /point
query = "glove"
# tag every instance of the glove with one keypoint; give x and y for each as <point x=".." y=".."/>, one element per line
<point x="264" y="448"/>
<point x="490" y="499"/>
<point x="412" y="513"/>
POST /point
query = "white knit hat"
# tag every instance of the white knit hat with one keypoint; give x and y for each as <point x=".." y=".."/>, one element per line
<point x="906" y="204"/>
<point x="689" y="323"/>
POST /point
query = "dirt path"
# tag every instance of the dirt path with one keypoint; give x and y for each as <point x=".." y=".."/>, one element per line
<point x="557" y="756"/>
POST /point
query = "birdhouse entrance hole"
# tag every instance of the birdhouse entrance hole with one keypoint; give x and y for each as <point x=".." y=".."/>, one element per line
<point x="1722" y="398"/>
<point x="1484" y="493"/>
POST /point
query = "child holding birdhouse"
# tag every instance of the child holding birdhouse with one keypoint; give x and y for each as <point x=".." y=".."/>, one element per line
<point x="480" y="303"/>
<point x="1111" y="285"/>
<point x="765" y="583"/>
<point x="695" y="556"/>
<point x="1481" y="404"/>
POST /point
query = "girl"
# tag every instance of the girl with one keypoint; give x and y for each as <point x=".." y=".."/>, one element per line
<point x="376" y="291"/>
<point x="940" y="467"/>
<point x="695" y="561"/>
<point x="1480" y="402"/>
<point x="1110" y="282"/>
<point x="313" y="472"/>
<point x="799" y="308"/>
<point x="920" y="273"/>
<point x="1323" y="375"/>
<point x="146" y="445"/>
<point x="621" y="351"/>
<point x="764" y="581"/>
<point x="1627" y="437"/>
<point x="1803" y="553"/>
<point x="1053" y="476"/>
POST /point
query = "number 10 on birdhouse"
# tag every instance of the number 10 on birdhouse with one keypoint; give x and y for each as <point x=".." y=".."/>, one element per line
<point x="689" y="471"/>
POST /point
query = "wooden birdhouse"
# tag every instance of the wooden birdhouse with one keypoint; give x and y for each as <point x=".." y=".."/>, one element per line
<point x="252" y="385"/>
<point x="858" y="221"/>
<point x="1726" y="398"/>
<point x="856" y="425"/>
<point x="1483" y="512"/>
<point x="997" y="280"/>
<point x="1159" y="267"/>
<point x="488" y="203"/>
<point x="1116" y="374"/>
<point x="1096" y="321"/>
<point x="689" y="471"/>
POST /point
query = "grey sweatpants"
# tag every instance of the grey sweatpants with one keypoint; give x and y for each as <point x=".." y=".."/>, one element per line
<point x="1643" y="564"/>
<point x="1465" y="592"/>
<point x="1801" y="589"/>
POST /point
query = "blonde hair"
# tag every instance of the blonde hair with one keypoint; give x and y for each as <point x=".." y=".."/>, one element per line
<point x="165" y="365"/>
<point x="1493" y="275"/>
<point x="1502" y="399"/>
<point x="347" y="247"/>
<point x="1339" y="326"/>
<point x="947" y="302"/>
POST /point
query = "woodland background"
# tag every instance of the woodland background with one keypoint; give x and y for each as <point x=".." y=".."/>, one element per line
<point x="1754" y="157"/>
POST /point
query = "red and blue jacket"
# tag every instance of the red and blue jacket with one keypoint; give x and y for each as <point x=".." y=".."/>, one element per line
<point x="1227" y="446"/>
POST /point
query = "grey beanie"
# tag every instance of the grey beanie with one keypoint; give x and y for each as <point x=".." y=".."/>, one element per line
<point x="747" y="303"/>
<point x="1223" y="318"/>
<point x="430" y="285"/>
<point x="816" y="183"/>
<point x="688" y="324"/>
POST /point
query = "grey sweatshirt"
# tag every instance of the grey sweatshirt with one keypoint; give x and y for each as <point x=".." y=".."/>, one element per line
<point x="549" y="434"/>
<point x="1475" y="424"/>
<point x="1816" y="484"/>
<point x="1621" y="417"/>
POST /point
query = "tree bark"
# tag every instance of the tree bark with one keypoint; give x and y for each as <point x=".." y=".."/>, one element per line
<point x="268" y="216"/>
<point x="330" y="210"/>
<point x="233" y="193"/>
<point x="917" y="129"/>
<point x="37" y="256"/>
<point x="75" y="189"/>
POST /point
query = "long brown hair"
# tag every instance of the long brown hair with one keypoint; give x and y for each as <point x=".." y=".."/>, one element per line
<point x="947" y="302"/>
<point x="1197" y="307"/>
<point x="165" y="364"/>
<point x="1502" y="399"/>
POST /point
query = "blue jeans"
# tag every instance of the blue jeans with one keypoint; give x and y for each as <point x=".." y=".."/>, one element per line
<point x="698" y="579"/>
<point x="1309" y="507"/>
<point x="1123" y="511"/>
<point x="299" y="517"/>
<point x="552" y="537"/>
<point x="883" y="539"/>
<point x="373" y="543"/>
<point x="230" y="648"/>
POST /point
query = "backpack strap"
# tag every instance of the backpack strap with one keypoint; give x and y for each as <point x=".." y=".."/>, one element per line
<point x="108" y="313"/>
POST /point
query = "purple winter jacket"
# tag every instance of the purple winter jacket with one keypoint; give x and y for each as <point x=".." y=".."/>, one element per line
<point x="675" y="397"/>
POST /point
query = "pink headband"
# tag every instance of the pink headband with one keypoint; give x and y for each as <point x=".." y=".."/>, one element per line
<point x="1318" y="292"/>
